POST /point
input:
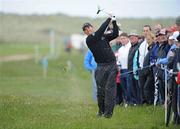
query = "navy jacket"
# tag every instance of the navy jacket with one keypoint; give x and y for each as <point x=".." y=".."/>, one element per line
<point x="99" y="45"/>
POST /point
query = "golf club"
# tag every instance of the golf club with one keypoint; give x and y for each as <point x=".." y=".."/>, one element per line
<point x="102" y="10"/>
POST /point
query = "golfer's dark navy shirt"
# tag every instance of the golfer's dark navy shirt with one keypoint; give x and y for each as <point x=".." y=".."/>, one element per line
<point x="98" y="43"/>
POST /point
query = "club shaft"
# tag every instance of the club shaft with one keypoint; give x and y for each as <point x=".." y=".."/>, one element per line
<point x="106" y="12"/>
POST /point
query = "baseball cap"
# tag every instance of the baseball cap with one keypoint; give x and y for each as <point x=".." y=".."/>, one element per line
<point x="86" y="25"/>
<point x="174" y="36"/>
<point x="172" y="29"/>
<point x="133" y="34"/>
<point x="161" y="32"/>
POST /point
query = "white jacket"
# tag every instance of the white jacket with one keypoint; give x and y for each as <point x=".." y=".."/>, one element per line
<point x="143" y="50"/>
<point x="123" y="55"/>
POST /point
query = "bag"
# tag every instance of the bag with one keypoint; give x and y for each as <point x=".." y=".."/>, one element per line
<point x="178" y="78"/>
<point x="118" y="77"/>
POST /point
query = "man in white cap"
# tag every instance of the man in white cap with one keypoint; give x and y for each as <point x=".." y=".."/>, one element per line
<point x="135" y="90"/>
<point x="176" y="88"/>
<point x="173" y="85"/>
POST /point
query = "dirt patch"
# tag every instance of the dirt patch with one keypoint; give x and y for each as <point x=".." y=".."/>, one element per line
<point x="19" y="57"/>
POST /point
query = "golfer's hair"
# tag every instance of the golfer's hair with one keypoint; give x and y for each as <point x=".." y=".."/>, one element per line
<point x="148" y="27"/>
<point x="123" y="34"/>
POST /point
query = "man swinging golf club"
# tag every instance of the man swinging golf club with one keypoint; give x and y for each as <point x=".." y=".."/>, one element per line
<point x="105" y="75"/>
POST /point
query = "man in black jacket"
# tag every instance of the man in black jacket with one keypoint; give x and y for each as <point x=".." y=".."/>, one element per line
<point x="177" y="60"/>
<point x="105" y="75"/>
<point x="176" y="88"/>
<point x="162" y="53"/>
<point x="135" y="90"/>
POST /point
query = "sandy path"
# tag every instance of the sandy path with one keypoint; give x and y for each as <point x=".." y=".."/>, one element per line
<point x="18" y="57"/>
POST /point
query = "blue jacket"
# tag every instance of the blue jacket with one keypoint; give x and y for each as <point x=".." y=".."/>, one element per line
<point x="154" y="53"/>
<point x="164" y="61"/>
<point x="89" y="62"/>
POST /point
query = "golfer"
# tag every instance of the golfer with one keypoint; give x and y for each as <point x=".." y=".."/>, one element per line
<point x="105" y="75"/>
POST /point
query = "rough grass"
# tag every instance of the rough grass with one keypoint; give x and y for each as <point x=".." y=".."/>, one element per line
<point x="62" y="100"/>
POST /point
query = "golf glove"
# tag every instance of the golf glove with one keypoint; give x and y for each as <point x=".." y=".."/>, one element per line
<point x="113" y="18"/>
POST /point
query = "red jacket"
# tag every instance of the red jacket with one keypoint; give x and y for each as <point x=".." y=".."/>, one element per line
<point x="178" y="78"/>
<point x="118" y="78"/>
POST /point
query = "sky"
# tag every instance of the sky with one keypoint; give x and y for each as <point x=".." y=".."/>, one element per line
<point x="88" y="8"/>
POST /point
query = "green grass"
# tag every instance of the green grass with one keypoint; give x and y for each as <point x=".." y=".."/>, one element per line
<point x="22" y="48"/>
<point x="36" y="28"/>
<point x="62" y="100"/>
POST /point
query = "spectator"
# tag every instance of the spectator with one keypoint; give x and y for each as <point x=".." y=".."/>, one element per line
<point x="68" y="44"/>
<point x="157" y="28"/>
<point x="171" y="42"/>
<point x="148" y="87"/>
<point x="90" y="65"/>
<point x="173" y="87"/>
<point x="115" y="45"/>
<point x="123" y="63"/>
<point x="176" y="68"/>
<point x="142" y="52"/>
<point x="135" y="91"/>
<point x="162" y="53"/>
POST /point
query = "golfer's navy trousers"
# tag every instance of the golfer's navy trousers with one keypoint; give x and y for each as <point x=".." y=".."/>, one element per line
<point x="105" y="76"/>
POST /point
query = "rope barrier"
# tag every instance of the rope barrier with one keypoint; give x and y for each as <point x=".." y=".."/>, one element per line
<point x="167" y="73"/>
<point x="149" y="66"/>
<point x="137" y="70"/>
